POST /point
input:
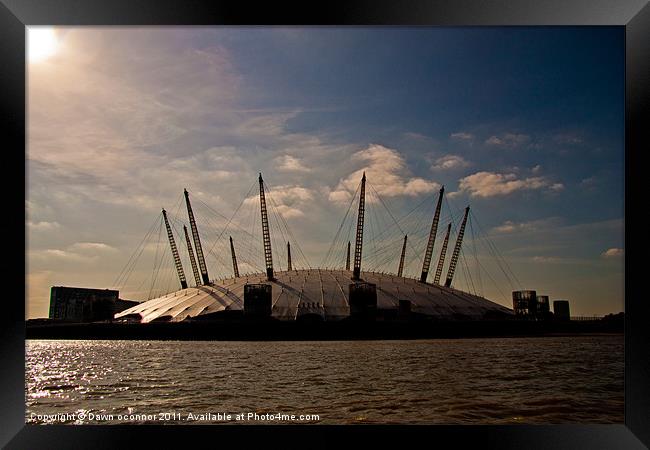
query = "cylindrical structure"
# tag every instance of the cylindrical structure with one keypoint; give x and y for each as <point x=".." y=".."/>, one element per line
<point x="561" y="310"/>
<point x="543" y="307"/>
<point x="524" y="303"/>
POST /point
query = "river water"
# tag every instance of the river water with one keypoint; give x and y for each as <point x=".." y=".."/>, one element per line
<point x="442" y="381"/>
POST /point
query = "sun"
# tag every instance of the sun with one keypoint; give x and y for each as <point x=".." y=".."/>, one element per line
<point x="42" y="43"/>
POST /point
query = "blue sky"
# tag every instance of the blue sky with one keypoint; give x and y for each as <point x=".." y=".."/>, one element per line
<point x="524" y="124"/>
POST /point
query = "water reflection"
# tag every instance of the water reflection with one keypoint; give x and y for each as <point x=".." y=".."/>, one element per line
<point x="466" y="381"/>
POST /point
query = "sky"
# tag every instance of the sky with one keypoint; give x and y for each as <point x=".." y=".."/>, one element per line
<point x="525" y="125"/>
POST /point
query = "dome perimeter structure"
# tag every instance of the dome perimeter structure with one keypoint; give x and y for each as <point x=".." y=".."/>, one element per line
<point x="315" y="291"/>
<point x="317" y="294"/>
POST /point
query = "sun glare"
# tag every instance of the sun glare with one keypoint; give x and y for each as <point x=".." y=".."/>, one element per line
<point x="42" y="43"/>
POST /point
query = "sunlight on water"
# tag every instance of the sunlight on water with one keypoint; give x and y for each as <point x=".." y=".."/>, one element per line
<point x="465" y="381"/>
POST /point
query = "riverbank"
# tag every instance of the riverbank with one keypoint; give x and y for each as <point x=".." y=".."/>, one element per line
<point x="296" y="330"/>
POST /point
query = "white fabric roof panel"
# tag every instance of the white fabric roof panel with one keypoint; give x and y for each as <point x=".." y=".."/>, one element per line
<point x="314" y="291"/>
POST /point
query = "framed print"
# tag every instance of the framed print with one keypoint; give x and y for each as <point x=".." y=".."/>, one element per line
<point x="352" y="219"/>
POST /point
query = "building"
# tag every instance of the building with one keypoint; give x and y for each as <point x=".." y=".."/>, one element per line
<point x="524" y="303"/>
<point x="543" y="307"/>
<point x="561" y="310"/>
<point x="85" y="304"/>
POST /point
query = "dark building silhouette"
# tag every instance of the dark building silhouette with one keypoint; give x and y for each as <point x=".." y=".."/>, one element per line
<point x="85" y="305"/>
<point x="561" y="310"/>
<point x="542" y="304"/>
<point x="543" y="308"/>
<point x="257" y="300"/>
<point x="524" y="303"/>
<point x="363" y="300"/>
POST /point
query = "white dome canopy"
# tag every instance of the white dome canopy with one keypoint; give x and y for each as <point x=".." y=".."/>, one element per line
<point x="316" y="291"/>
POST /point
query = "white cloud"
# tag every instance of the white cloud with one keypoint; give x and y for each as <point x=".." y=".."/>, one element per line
<point x="510" y="226"/>
<point x="489" y="184"/>
<point x="79" y="252"/>
<point x="91" y="246"/>
<point x="283" y="194"/>
<point x="288" y="212"/>
<point x="416" y="136"/>
<point x="339" y="196"/>
<point x="461" y="136"/>
<point x="508" y="140"/>
<point x="43" y="226"/>
<point x="537" y="169"/>
<point x="546" y="259"/>
<point x="507" y="227"/>
<point x="53" y="254"/>
<point x="290" y="163"/>
<point x="290" y="201"/>
<point x="267" y="124"/>
<point x="612" y="253"/>
<point x="37" y="210"/>
<point x="386" y="170"/>
<point x="450" y="162"/>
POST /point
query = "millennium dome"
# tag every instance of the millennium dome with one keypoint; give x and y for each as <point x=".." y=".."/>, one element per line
<point x="316" y="293"/>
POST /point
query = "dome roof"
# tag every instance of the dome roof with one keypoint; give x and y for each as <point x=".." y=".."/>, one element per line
<point x="316" y="291"/>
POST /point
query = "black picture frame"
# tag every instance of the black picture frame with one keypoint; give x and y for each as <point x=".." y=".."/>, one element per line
<point x="634" y="15"/>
